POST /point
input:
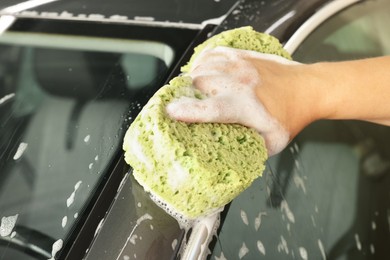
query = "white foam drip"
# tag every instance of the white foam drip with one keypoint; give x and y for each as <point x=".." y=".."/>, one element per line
<point x="19" y="152"/>
<point x="243" y="251"/>
<point x="6" y="97"/>
<point x="174" y="244"/>
<point x="282" y="246"/>
<point x="299" y="182"/>
<point x="57" y="245"/>
<point x="358" y="243"/>
<point x="372" y="249"/>
<point x="71" y="198"/>
<point x="244" y="217"/>
<point x="221" y="257"/>
<point x="303" y="253"/>
<point x="322" y="249"/>
<point x="87" y="138"/>
<point x="64" y="221"/>
<point x="284" y="207"/>
<point x="260" y="247"/>
<point x="258" y="220"/>
<point x="7" y="225"/>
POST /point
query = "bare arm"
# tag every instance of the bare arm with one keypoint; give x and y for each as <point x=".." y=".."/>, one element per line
<point x="298" y="95"/>
<point x="279" y="98"/>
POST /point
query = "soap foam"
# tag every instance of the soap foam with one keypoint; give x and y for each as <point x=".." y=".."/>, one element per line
<point x="235" y="93"/>
<point x="184" y="221"/>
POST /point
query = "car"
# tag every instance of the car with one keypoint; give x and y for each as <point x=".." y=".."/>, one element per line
<point x="73" y="76"/>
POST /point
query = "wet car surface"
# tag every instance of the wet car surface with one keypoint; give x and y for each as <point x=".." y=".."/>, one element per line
<point x="74" y="75"/>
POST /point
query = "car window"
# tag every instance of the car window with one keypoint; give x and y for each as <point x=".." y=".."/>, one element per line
<point x="65" y="103"/>
<point x="326" y="196"/>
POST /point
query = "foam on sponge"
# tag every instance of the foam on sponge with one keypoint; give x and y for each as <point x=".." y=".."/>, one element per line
<point x="197" y="168"/>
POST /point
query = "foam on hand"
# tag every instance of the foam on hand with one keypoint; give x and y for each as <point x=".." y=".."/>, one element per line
<point x="194" y="169"/>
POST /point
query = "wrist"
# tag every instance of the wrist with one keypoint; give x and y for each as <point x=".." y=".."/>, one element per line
<point x="293" y="94"/>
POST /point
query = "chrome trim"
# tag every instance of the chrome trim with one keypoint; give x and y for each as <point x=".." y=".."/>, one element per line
<point x="314" y="21"/>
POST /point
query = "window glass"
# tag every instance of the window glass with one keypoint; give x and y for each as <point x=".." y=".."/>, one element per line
<point x="326" y="196"/>
<point x="359" y="32"/>
<point x="65" y="103"/>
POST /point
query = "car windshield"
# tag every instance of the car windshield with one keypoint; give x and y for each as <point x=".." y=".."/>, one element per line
<point x="65" y="102"/>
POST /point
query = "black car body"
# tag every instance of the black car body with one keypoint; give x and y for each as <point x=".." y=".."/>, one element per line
<point x="73" y="76"/>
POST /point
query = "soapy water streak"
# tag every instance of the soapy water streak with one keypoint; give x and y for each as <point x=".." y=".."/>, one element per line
<point x="19" y="152"/>
<point x="6" y="98"/>
<point x="322" y="250"/>
<point x="132" y="236"/>
<point x="70" y="200"/>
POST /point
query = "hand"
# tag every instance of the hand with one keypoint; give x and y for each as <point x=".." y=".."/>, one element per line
<point x="231" y="79"/>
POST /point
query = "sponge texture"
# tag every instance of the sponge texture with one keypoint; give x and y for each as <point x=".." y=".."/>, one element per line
<point x="196" y="169"/>
<point x="244" y="38"/>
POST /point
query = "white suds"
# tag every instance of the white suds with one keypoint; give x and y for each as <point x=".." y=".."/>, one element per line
<point x="174" y="244"/>
<point x="70" y="200"/>
<point x="143" y="218"/>
<point x="358" y="243"/>
<point x="87" y="138"/>
<point x="221" y="257"/>
<point x="284" y="207"/>
<point x="299" y="182"/>
<point x="55" y="248"/>
<point x="7" y="225"/>
<point x="372" y="249"/>
<point x="19" y="152"/>
<point x="133" y="238"/>
<point x="177" y="176"/>
<point x="373" y="225"/>
<point x="303" y="253"/>
<point x="261" y="247"/>
<point x="64" y="221"/>
<point x="322" y="250"/>
<point x="282" y="246"/>
<point x="243" y="251"/>
<point x="6" y="97"/>
<point x="244" y="217"/>
<point x="258" y="220"/>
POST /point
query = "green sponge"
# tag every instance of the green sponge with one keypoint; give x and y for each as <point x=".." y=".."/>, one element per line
<point x="195" y="169"/>
<point x="244" y="38"/>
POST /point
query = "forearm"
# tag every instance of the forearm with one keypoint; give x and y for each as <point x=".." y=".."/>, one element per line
<point x="355" y="89"/>
<point x="297" y="95"/>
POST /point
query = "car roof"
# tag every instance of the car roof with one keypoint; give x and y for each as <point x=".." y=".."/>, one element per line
<point x="183" y="11"/>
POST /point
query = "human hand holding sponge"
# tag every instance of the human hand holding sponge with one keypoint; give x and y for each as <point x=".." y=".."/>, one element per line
<point x="194" y="169"/>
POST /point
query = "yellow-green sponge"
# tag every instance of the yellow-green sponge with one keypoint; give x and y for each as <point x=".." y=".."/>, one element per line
<point x="244" y="38"/>
<point x="196" y="168"/>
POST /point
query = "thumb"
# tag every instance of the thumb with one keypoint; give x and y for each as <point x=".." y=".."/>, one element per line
<point x="212" y="109"/>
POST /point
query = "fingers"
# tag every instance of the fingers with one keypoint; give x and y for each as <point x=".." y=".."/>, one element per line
<point x="220" y="110"/>
<point x="215" y="109"/>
